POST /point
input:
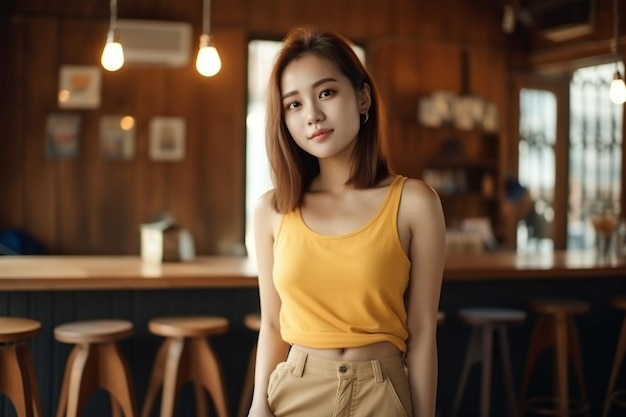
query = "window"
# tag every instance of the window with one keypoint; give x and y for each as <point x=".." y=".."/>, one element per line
<point x="595" y="152"/>
<point x="261" y="55"/>
<point x="592" y="155"/>
<point x="537" y="168"/>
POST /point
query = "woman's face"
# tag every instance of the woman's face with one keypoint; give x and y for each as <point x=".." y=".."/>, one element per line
<point x="321" y="107"/>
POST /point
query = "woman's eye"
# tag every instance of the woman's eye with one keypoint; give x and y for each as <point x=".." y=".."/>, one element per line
<point x="327" y="93"/>
<point x="292" y="105"/>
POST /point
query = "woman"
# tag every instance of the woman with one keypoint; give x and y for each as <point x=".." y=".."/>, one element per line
<point x="350" y="256"/>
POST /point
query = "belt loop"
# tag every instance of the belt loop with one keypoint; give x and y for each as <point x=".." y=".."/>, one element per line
<point x="378" y="372"/>
<point x="298" y="371"/>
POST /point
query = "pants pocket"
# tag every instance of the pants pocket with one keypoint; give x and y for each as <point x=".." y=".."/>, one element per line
<point x="277" y="375"/>
<point x="398" y="387"/>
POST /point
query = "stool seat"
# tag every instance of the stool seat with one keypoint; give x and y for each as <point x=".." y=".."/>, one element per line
<point x="441" y="317"/>
<point x="189" y="326"/>
<point x="485" y="316"/>
<point x="253" y="321"/>
<point x="487" y="323"/>
<point x="94" y="362"/>
<point x="18" y="380"/>
<point x="556" y="329"/>
<point x="550" y="306"/>
<point x="186" y="355"/>
<point x="93" y="331"/>
<point x="617" y="397"/>
<point x="619" y="303"/>
<point x="16" y="329"/>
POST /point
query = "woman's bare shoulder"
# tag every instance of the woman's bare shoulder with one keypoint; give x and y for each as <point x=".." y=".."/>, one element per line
<point x="264" y="211"/>
<point x="417" y="193"/>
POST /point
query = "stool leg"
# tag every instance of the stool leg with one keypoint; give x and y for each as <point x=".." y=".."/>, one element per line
<point x="78" y="381"/>
<point x="577" y="360"/>
<point x="200" y="396"/>
<point x="505" y="358"/>
<point x="487" y="354"/>
<point x="27" y="360"/>
<point x="156" y="379"/>
<point x="171" y="378"/>
<point x="617" y="363"/>
<point x="472" y="356"/>
<point x="208" y="372"/>
<point x="561" y="363"/>
<point x="17" y="380"/>
<point x="541" y="338"/>
<point x="248" y="386"/>
<point x="114" y="376"/>
<point x="116" y="409"/>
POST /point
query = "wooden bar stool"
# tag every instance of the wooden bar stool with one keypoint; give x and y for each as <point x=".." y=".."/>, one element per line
<point x="252" y="322"/>
<point x="186" y="355"/>
<point x="556" y="329"/>
<point x="95" y="362"/>
<point x="485" y="323"/>
<point x="613" y="396"/>
<point x="18" y="380"/>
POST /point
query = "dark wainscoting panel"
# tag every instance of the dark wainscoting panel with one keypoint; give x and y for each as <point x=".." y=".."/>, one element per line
<point x="598" y="331"/>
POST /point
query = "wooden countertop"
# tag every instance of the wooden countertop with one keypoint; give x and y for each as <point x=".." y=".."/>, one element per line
<point x="122" y="272"/>
<point x="19" y="273"/>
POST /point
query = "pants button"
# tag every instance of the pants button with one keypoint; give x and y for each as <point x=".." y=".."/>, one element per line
<point x="342" y="368"/>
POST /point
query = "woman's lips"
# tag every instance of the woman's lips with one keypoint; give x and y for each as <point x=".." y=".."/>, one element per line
<point x="320" y="134"/>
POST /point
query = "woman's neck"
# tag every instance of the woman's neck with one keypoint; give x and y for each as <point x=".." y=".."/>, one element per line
<point x="333" y="177"/>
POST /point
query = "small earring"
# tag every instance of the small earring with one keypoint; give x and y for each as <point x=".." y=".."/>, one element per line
<point x="367" y="117"/>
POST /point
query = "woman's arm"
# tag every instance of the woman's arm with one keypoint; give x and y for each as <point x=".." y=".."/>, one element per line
<point x="422" y="209"/>
<point x="271" y="349"/>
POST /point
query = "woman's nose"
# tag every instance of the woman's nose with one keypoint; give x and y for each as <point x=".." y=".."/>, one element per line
<point x="315" y="115"/>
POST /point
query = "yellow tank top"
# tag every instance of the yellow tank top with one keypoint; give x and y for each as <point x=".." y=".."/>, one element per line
<point x="343" y="291"/>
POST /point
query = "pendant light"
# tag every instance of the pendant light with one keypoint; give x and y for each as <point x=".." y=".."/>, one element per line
<point x="208" y="62"/>
<point x="113" y="55"/>
<point x="617" y="90"/>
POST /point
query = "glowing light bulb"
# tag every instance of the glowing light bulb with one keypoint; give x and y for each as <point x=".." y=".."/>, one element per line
<point x="208" y="62"/>
<point x="112" y="56"/>
<point x="617" y="91"/>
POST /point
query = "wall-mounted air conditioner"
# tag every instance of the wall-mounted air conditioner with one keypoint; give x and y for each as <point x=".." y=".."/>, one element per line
<point x="150" y="42"/>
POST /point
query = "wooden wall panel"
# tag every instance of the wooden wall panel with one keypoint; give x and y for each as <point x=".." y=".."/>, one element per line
<point x="93" y="205"/>
<point x="40" y="209"/>
<point x="424" y="19"/>
<point x="12" y="82"/>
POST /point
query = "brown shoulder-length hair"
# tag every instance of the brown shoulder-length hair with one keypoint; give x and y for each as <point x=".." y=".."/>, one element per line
<point x="292" y="168"/>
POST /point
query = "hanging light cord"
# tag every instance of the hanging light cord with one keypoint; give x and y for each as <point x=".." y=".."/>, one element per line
<point x="615" y="26"/>
<point x="113" y="21"/>
<point x="206" y="17"/>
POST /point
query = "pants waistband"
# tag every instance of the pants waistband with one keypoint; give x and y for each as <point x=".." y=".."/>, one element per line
<point x="304" y="363"/>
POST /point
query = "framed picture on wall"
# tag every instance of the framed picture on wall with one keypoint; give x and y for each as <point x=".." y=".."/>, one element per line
<point x="117" y="137"/>
<point x="79" y="87"/>
<point x="167" y="139"/>
<point x="62" y="135"/>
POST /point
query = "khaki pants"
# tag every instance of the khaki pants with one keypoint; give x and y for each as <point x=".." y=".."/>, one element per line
<point x="308" y="386"/>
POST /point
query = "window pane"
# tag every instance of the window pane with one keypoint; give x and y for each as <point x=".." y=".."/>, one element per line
<point x="537" y="169"/>
<point x="595" y="152"/>
<point x="261" y="55"/>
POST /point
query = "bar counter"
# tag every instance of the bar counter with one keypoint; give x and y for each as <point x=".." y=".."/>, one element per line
<point x="33" y="273"/>
<point x="59" y="289"/>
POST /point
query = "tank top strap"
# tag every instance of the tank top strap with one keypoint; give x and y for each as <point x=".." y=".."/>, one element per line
<point x="393" y="201"/>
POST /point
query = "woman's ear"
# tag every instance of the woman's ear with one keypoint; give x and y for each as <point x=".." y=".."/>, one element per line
<point x="365" y="98"/>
